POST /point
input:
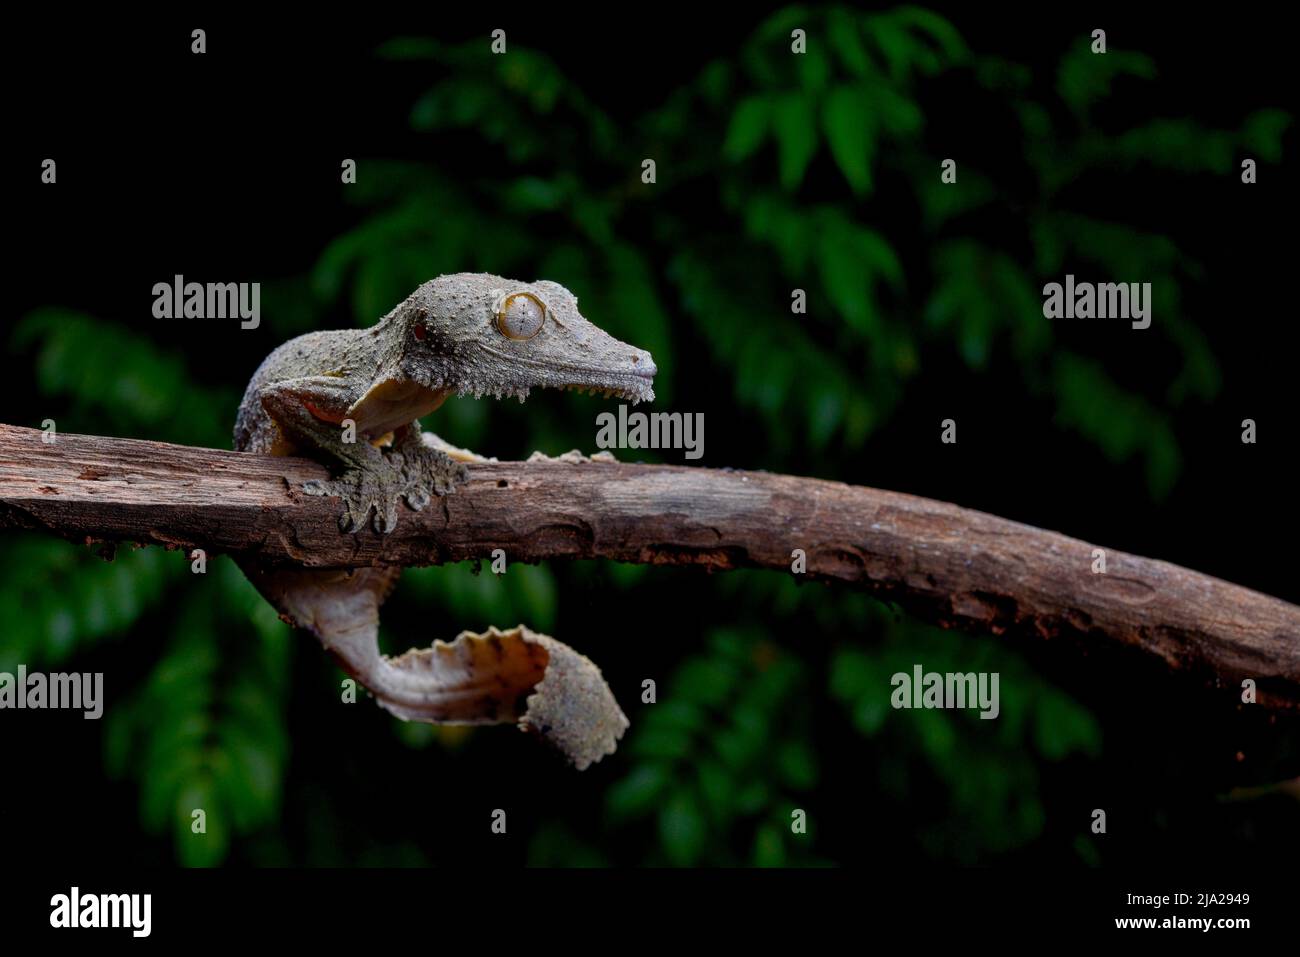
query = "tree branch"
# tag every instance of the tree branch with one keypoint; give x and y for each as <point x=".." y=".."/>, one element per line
<point x="949" y="565"/>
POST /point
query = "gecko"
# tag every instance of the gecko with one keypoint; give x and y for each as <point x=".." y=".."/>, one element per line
<point x="352" y="399"/>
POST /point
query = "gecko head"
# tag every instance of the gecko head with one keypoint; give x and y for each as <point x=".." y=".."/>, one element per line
<point x="479" y="334"/>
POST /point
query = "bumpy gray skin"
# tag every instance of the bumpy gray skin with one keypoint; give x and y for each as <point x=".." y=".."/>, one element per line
<point x="443" y="340"/>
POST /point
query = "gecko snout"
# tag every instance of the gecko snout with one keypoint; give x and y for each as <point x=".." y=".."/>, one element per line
<point x="642" y="364"/>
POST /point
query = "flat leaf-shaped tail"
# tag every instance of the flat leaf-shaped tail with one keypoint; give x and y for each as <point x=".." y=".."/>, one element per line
<point x="516" y="676"/>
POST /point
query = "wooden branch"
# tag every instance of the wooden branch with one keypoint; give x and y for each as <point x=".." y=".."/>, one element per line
<point x="948" y="565"/>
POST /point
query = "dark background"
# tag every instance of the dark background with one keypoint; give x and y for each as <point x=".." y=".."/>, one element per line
<point x="225" y="168"/>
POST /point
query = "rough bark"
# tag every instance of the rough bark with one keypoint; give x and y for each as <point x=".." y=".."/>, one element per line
<point x="947" y="564"/>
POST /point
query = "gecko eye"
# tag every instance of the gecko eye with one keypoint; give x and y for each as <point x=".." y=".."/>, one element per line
<point x="520" y="316"/>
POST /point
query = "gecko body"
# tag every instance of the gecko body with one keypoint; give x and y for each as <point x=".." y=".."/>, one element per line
<point x="353" y="399"/>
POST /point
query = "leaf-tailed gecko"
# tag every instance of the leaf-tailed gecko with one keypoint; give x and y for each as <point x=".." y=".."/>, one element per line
<point x="464" y="334"/>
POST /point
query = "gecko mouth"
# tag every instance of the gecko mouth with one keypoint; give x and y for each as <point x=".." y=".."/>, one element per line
<point x="632" y="385"/>
<point x="633" y="389"/>
<point x="640" y="394"/>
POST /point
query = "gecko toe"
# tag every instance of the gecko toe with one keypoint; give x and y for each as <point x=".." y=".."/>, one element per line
<point x="349" y="522"/>
<point x="386" y="518"/>
<point x="426" y="472"/>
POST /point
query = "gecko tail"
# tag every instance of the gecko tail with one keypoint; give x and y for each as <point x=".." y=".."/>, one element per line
<point x="515" y="676"/>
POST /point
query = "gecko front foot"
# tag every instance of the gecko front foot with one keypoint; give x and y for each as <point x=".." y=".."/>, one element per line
<point x="413" y="474"/>
<point x="425" y="471"/>
<point x="375" y="488"/>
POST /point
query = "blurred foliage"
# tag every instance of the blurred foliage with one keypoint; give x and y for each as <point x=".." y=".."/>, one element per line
<point x="774" y="173"/>
<point x="142" y="390"/>
<point x="719" y="764"/>
<point x="206" y="730"/>
<point x="997" y="809"/>
<point x="851" y="102"/>
<point x="56" y="601"/>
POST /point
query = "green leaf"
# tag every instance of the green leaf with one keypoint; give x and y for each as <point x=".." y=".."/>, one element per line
<point x="797" y="764"/>
<point x="637" y="794"/>
<point x="794" y="121"/>
<point x="661" y="743"/>
<point x="849" y="134"/>
<point x="942" y="201"/>
<point x="1182" y="145"/>
<point x="898" y="115"/>
<point x="769" y="849"/>
<point x="706" y="681"/>
<point x="850" y="257"/>
<point x="682" y="829"/>
<point x="1262" y="133"/>
<point x="814" y="70"/>
<point x="1120" y="423"/>
<point x="753" y="797"/>
<point x="935" y="28"/>
<point x="718" y="790"/>
<point x="1062" y="727"/>
<point x="845" y="37"/>
<point x="1084" y="77"/>
<point x="870" y="713"/>
<point x="209" y="848"/>
<point x="748" y="128"/>
<point x="914" y="40"/>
